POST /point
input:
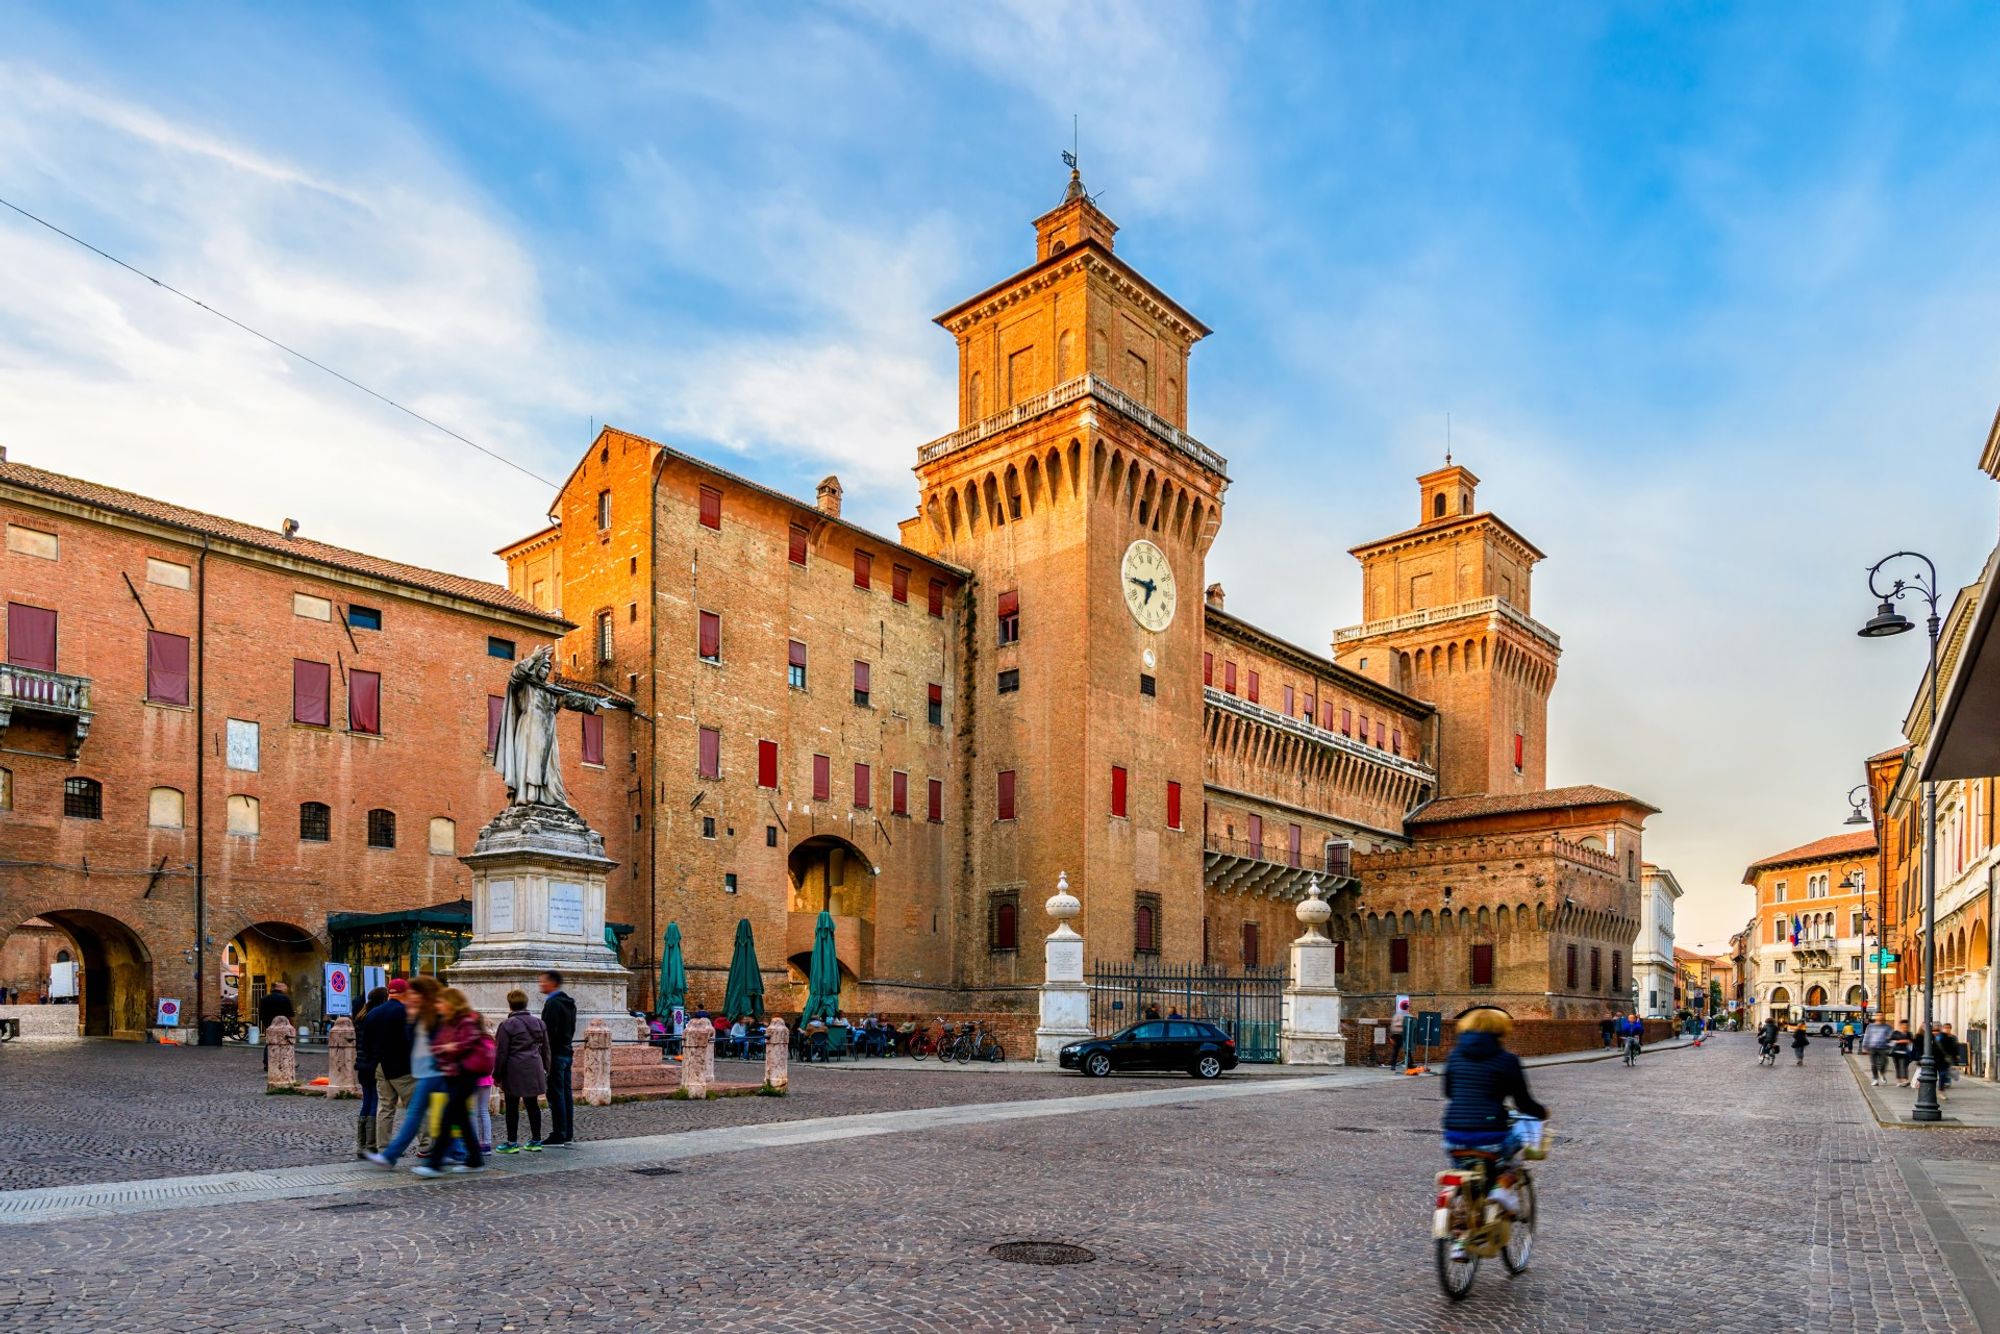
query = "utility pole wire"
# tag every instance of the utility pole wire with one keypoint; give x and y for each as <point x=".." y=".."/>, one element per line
<point x="282" y="347"/>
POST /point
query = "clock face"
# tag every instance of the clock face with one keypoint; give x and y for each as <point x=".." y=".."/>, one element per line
<point x="1148" y="585"/>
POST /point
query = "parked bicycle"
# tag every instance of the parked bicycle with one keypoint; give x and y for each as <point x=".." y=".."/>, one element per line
<point x="1467" y="1226"/>
<point x="923" y="1042"/>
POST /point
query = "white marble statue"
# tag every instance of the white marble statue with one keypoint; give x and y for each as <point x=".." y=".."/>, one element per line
<point x="526" y="752"/>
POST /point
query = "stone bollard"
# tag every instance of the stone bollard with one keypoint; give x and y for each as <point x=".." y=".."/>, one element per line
<point x="597" y="1063"/>
<point x="777" y="1055"/>
<point x="281" y="1056"/>
<point x="1065" y="999"/>
<point x="341" y="1081"/>
<point x="697" y="1059"/>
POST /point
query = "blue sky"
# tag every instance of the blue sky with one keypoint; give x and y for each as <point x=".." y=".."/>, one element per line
<point x="1706" y="292"/>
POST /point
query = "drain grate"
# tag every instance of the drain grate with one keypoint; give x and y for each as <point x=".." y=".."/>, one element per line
<point x="1041" y="1253"/>
<point x="352" y="1206"/>
<point x="1352" y="1130"/>
<point x="656" y="1171"/>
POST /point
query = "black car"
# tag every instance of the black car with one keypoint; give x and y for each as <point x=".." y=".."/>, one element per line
<point x="1201" y="1049"/>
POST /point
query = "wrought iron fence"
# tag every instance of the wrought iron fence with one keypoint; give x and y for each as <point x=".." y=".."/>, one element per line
<point x="1247" y="1004"/>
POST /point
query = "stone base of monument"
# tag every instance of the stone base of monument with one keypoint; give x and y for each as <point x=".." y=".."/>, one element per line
<point x="538" y="904"/>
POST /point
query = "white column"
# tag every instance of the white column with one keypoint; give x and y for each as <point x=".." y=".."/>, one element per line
<point x="1311" y="1032"/>
<point x="1065" y="998"/>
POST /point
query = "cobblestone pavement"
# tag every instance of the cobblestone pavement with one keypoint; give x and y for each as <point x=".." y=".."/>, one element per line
<point x="1698" y="1191"/>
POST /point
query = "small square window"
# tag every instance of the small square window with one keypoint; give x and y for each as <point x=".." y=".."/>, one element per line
<point x="708" y="826"/>
<point x="381" y="829"/>
<point x="1147" y="686"/>
<point x="364" y="618"/>
<point x="497" y="647"/>
<point x="729" y="882"/>
<point x="770" y="836"/>
<point x="1009" y="681"/>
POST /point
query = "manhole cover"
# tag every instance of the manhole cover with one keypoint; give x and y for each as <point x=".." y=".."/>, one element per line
<point x="656" y="1171"/>
<point x="1041" y="1253"/>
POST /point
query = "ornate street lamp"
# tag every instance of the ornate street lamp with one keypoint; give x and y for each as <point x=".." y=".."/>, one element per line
<point x="1888" y="621"/>
<point x="1857" y="815"/>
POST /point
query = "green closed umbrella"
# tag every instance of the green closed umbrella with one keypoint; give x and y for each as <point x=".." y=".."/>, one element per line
<point x="673" y="988"/>
<point x="823" y="974"/>
<point x="745" y="993"/>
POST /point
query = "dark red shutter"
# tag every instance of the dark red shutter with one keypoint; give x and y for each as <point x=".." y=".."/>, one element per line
<point x="1399" y="955"/>
<point x="1251" y="692"/>
<point x="822" y="778"/>
<point x="798" y="545"/>
<point x="767" y="764"/>
<point x="1010" y="604"/>
<point x="1482" y="965"/>
<point x="1363" y="737"/>
<point x="1142" y="932"/>
<point x="860" y="678"/>
<point x="1208" y="669"/>
<point x="861" y="786"/>
<point x="309" y="688"/>
<point x="937" y="696"/>
<point x="1339" y="956"/>
<point x="711" y="753"/>
<point x="1396" y="741"/>
<point x="1381" y="734"/>
<point x="1004" y="918"/>
<point x="166" y="667"/>
<point x="1117" y="790"/>
<point x="364" y="702"/>
<point x="1311" y="704"/>
<point x="711" y="634"/>
<point x="1346" y="722"/>
<point x="1296" y="836"/>
<point x="899" y="583"/>
<point x="1288" y="701"/>
<point x="899" y="793"/>
<point x="1173" y="805"/>
<point x="1519" y="743"/>
<point x="494" y="704"/>
<point x="1249" y="944"/>
<point x="1570" y="981"/>
<point x="1255" y="834"/>
<point x="1006" y="794"/>
<point x="936" y="800"/>
<point x="31" y="636"/>
<point x="711" y="508"/>
<point x="1596" y="969"/>
<point x="593" y="738"/>
<point x="796" y="655"/>
<point x="863" y="562"/>
<point x="937" y="597"/>
<point x="1228" y="677"/>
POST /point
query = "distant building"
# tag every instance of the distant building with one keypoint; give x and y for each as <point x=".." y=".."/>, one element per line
<point x="1653" y="951"/>
<point x="1811" y="929"/>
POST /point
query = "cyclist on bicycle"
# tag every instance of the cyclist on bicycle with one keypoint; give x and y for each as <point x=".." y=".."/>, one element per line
<point x="1767" y="1037"/>
<point x="1480" y="1077"/>
<point x="1633" y="1032"/>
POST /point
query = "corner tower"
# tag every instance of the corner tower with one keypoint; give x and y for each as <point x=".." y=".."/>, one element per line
<point x="1073" y="492"/>
<point x="1445" y="618"/>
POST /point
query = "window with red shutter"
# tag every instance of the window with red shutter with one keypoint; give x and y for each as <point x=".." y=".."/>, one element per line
<point x="795" y="668"/>
<point x="166" y="667"/>
<point x="1208" y="669"/>
<point x="1519" y="745"/>
<point x="1006" y="919"/>
<point x="800" y="539"/>
<point x="1596" y="968"/>
<point x="1310" y="711"/>
<point x="899" y="583"/>
<point x="1009" y="618"/>
<point x="1254" y="835"/>
<point x="711" y="636"/>
<point x="899" y="792"/>
<point x="1363" y="738"/>
<point x="862" y="794"/>
<point x="1228" y="677"/>
<point x="710" y="759"/>
<point x="1295" y="836"/>
<point x="494" y="704"/>
<point x="310" y="683"/>
<point x="935" y="705"/>
<point x="1399" y="955"/>
<point x="937" y="597"/>
<point x="593" y="738"/>
<point x="767" y="764"/>
<point x="1381" y="735"/>
<point x="364" y="703"/>
<point x="861" y="684"/>
<point x="863" y="565"/>
<point x="1173" y="804"/>
<point x="1006" y="794"/>
<point x="1117" y="790"/>
<point x="31" y="636"/>
<point x="711" y="508"/>
<point x="1346" y="722"/>
<point x="1326" y="714"/>
<point x="1250" y="945"/>
<point x="935" y="799"/>
<point x="1396" y="741"/>
<point x="1290" y="703"/>
<point x="1570" y="976"/>
<point x="822" y="778"/>
<point x="1145" y="930"/>
<point x="1250" y="692"/>
<point x="1482" y="965"/>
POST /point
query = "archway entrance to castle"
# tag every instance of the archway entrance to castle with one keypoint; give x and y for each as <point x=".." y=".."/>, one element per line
<point x="105" y="966"/>
<point x="829" y="874"/>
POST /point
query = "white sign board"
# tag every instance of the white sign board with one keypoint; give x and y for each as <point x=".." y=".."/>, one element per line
<point x="565" y="909"/>
<point x="62" y="980"/>
<point x="500" y="905"/>
<point x="169" y="1015"/>
<point x="339" y="990"/>
<point x="242" y="748"/>
<point x="373" y="976"/>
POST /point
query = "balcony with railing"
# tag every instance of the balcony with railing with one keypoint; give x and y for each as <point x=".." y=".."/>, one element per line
<point x="33" y="694"/>
<point x="1412" y="620"/>
<point x="1238" y="866"/>
<point x="1084" y="386"/>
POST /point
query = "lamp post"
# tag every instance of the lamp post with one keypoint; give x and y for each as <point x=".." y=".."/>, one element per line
<point x="1888" y="621"/>
<point x="1854" y="876"/>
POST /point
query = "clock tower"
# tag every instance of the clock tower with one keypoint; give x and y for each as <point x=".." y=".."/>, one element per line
<point x="1073" y="492"/>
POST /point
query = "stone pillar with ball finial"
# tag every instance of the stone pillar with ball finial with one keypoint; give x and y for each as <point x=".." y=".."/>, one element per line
<point x="1065" y="998"/>
<point x="1311" y="1031"/>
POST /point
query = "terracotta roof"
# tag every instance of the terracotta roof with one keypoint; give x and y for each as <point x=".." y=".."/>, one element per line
<point x="1819" y="850"/>
<point x="266" y="539"/>
<point x="1890" y="753"/>
<point x="1434" y="527"/>
<point x="1501" y="803"/>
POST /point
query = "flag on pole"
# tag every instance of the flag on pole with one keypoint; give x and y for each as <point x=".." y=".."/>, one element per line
<point x="1795" y="930"/>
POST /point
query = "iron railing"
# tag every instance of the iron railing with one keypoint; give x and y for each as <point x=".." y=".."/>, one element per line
<point x="1433" y="615"/>
<point x="1248" y="1004"/>
<point x="1336" y="861"/>
<point x="1069" y="391"/>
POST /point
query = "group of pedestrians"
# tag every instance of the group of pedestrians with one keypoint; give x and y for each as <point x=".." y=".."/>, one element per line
<point x="1886" y="1044"/>
<point x="422" y="1052"/>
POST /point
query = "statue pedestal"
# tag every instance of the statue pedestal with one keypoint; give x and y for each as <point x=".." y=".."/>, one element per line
<point x="538" y="903"/>
<point x="1065" y="1008"/>
<point x="1310" y="1034"/>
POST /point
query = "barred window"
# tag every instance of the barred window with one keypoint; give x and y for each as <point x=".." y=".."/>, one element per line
<point x="381" y="828"/>
<point x="83" y="799"/>
<point x="315" y="822"/>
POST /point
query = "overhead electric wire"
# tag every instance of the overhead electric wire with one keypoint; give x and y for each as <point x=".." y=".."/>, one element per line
<point x="282" y="347"/>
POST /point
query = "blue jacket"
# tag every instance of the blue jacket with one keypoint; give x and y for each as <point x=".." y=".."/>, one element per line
<point x="1631" y="1028"/>
<point x="1480" y="1076"/>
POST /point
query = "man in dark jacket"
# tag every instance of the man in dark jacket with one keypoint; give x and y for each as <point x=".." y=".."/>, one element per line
<point x="277" y="1001"/>
<point x="559" y="1017"/>
<point x="384" y="1038"/>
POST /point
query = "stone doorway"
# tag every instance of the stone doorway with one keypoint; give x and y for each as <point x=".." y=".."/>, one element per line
<point x="114" y="976"/>
<point x="266" y="953"/>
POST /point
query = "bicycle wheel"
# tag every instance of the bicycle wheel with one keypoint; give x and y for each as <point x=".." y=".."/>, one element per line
<point x="995" y="1053"/>
<point x="1521" y="1238"/>
<point x="1456" y="1269"/>
<point x="920" y="1046"/>
<point x="962" y="1053"/>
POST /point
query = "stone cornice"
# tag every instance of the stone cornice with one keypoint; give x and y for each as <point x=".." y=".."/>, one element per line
<point x="1087" y="257"/>
<point x="1425" y="534"/>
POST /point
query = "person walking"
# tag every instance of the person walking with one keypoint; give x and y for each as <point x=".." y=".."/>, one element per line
<point x="277" y="1001"/>
<point x="1901" y="1045"/>
<point x="559" y="1019"/>
<point x="385" y="1036"/>
<point x="1875" y="1041"/>
<point x="1950" y="1053"/>
<point x="463" y="1052"/>
<point x="1606" y="1027"/>
<point x="1799" y="1043"/>
<point x="426" y="1082"/>
<point x="482" y="1097"/>
<point x="364" y="1074"/>
<point x="521" y="1064"/>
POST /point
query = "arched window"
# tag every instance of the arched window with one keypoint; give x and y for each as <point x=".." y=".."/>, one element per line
<point x="166" y="808"/>
<point x="1437" y="506"/>
<point x="381" y="828"/>
<point x="6" y="789"/>
<point x="244" y="817"/>
<point x="83" y="799"/>
<point x="315" y="822"/>
<point x="444" y="836"/>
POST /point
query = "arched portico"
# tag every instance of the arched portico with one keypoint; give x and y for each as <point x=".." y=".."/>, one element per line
<point x="264" y="954"/>
<point x="115" y="979"/>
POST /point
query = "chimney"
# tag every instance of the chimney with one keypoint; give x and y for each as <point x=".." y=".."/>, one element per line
<point x="3" y="453"/>
<point x="1213" y="596"/>
<point x="829" y="496"/>
<point x="291" y="527"/>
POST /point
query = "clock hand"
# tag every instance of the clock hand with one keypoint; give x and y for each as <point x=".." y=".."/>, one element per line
<point x="1146" y="584"/>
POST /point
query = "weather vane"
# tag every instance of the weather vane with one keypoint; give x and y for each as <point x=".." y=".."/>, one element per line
<point x="1069" y="158"/>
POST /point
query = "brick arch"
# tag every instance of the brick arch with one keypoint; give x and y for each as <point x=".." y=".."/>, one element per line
<point x="951" y="510"/>
<point x="1031" y="485"/>
<point x="1148" y="499"/>
<point x="1982" y="946"/>
<point x="278" y="951"/>
<point x="994" y="513"/>
<point x="972" y="524"/>
<point x="117" y="991"/>
<point x="1076" y="467"/>
<point x="1180" y="511"/>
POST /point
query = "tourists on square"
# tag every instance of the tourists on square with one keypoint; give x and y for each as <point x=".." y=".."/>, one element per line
<point x="364" y="1074"/>
<point x="1480" y="1078"/>
<point x="426" y="1080"/>
<point x="384" y="1035"/>
<point x="521" y="1063"/>
<point x="739" y="1037"/>
<point x="559" y="1018"/>
<point x="463" y="1053"/>
<point x="1800" y="1042"/>
<point x="816" y="1044"/>
<point x="1875" y="1041"/>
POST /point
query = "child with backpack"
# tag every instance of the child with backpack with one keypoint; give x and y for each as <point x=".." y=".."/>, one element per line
<point x="464" y="1052"/>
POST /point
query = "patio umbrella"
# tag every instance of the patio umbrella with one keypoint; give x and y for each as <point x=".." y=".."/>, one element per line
<point x="673" y="973"/>
<point x="823" y="974"/>
<point x="745" y="993"/>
